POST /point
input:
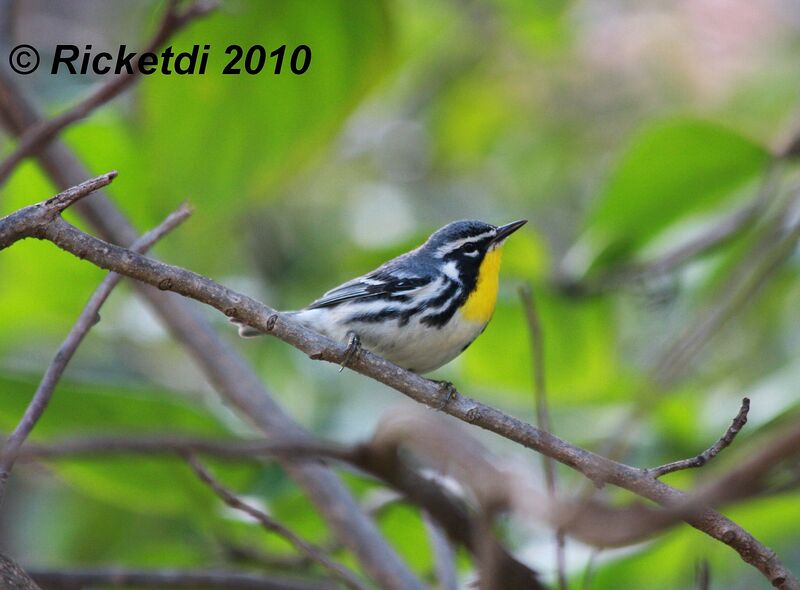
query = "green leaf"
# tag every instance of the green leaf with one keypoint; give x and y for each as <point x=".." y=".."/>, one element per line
<point x="579" y="344"/>
<point x="225" y="141"/>
<point x="403" y="527"/>
<point x="671" y="170"/>
<point x="226" y="137"/>
<point x="30" y="303"/>
<point x="154" y="485"/>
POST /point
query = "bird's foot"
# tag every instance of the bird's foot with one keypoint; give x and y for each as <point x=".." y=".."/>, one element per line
<point x="447" y="392"/>
<point x="353" y="348"/>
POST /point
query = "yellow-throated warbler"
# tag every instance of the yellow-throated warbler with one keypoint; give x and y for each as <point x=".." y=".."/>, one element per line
<point x="423" y="308"/>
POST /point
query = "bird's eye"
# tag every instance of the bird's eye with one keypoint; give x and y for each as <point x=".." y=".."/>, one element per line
<point x="471" y="251"/>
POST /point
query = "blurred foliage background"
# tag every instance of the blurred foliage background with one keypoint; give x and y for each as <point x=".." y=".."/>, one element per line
<point x="619" y="129"/>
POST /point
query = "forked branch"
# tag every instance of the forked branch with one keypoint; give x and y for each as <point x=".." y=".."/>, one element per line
<point x="699" y="460"/>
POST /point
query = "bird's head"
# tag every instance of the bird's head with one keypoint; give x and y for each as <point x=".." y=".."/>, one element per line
<point x="469" y="252"/>
<point x="467" y="242"/>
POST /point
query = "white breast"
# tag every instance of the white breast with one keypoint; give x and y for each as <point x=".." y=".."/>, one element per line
<point x="414" y="345"/>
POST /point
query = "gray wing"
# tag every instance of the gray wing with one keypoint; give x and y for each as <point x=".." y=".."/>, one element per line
<point x="380" y="284"/>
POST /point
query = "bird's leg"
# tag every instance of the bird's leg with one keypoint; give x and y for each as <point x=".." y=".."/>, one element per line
<point x="353" y="348"/>
<point x="447" y="391"/>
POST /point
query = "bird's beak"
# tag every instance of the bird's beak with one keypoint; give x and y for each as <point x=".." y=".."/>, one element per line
<point x="506" y="230"/>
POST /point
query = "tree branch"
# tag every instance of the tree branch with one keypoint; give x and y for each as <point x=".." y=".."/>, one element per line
<point x="158" y="444"/>
<point x="724" y="441"/>
<point x="56" y="579"/>
<point x="25" y="222"/>
<point x="87" y="319"/>
<point x="591" y="522"/>
<point x="378" y="460"/>
<point x="543" y="416"/>
<point x="269" y="321"/>
<point x="13" y="577"/>
<point x="302" y="546"/>
<point x="38" y="135"/>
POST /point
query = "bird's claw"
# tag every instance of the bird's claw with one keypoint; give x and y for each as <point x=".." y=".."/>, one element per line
<point x="447" y="391"/>
<point x="353" y="348"/>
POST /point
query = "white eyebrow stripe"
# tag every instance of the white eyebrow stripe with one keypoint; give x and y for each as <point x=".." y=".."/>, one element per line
<point x="455" y="245"/>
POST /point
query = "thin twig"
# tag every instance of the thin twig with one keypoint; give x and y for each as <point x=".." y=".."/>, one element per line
<point x="87" y="319"/>
<point x="301" y="545"/>
<point x="119" y="577"/>
<point x="702" y="575"/>
<point x="24" y="222"/>
<point x="37" y="136"/>
<point x="443" y="555"/>
<point x="775" y="246"/>
<point x="724" y="441"/>
<point x="588" y="571"/>
<point x="171" y="444"/>
<point x="449" y="511"/>
<point x="543" y="416"/>
<point x="685" y="252"/>
<point x="72" y="195"/>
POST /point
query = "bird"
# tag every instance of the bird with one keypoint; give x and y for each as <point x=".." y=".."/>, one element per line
<point x="421" y="309"/>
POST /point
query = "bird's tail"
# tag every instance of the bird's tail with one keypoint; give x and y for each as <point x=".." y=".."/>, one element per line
<point x="246" y="331"/>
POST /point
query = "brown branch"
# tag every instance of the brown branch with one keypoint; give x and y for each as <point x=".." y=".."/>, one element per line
<point x="13" y="577"/>
<point x="724" y="441"/>
<point x="38" y="135"/>
<point x="118" y="577"/>
<point x="302" y="546"/>
<point x="170" y="444"/>
<point x="25" y="222"/>
<point x="543" y="416"/>
<point x="87" y="319"/>
<point x="449" y="512"/>
<point x="225" y="369"/>
<point x="438" y="445"/>
<point x="404" y="443"/>
<point x="267" y="320"/>
<point x="594" y="523"/>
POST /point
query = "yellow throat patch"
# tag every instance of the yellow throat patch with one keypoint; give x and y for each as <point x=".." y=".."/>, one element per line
<point x="479" y="306"/>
